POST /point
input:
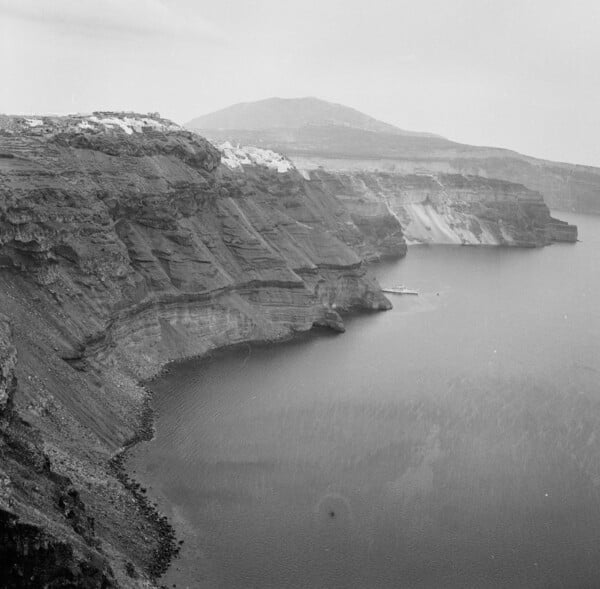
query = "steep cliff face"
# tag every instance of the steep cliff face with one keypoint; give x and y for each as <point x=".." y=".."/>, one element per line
<point x="564" y="187"/>
<point x="371" y="230"/>
<point x="382" y="163"/>
<point x="451" y="209"/>
<point x="147" y="232"/>
<point x="8" y="361"/>
<point x="125" y="244"/>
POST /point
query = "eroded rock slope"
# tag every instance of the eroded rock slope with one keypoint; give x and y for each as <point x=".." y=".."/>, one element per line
<point x="125" y="243"/>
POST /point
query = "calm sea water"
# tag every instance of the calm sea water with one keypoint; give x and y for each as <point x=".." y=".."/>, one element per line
<point x="451" y="442"/>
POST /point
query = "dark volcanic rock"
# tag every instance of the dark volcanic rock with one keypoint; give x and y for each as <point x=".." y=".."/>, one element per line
<point x="32" y="496"/>
<point x="32" y="558"/>
<point x="125" y="244"/>
<point x="8" y="362"/>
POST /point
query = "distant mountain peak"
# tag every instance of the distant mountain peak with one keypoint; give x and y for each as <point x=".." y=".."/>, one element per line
<point x="293" y="113"/>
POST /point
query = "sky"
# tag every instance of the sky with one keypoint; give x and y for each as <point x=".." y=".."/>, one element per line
<point x="521" y="74"/>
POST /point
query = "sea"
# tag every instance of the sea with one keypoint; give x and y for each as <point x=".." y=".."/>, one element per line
<point x="451" y="442"/>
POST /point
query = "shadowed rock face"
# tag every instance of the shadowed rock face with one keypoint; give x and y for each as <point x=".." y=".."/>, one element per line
<point x="8" y="361"/>
<point x="33" y="558"/>
<point x="46" y="536"/>
<point x="126" y="244"/>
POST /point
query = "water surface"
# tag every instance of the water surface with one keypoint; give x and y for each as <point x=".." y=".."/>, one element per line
<point x="451" y="442"/>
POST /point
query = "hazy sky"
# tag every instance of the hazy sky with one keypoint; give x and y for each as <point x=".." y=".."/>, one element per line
<point x="523" y="74"/>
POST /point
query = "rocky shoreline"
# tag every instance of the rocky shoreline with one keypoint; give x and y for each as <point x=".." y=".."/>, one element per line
<point x="167" y="548"/>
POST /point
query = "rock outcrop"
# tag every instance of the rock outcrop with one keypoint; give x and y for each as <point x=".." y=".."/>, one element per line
<point x="125" y="244"/>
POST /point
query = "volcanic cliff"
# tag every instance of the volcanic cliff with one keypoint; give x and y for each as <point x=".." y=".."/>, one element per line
<point x="126" y="243"/>
<point x="450" y="208"/>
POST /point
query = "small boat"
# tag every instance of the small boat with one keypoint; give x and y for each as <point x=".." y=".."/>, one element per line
<point x="400" y="289"/>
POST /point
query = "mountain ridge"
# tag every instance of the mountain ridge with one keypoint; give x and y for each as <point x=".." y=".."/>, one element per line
<point x="276" y="112"/>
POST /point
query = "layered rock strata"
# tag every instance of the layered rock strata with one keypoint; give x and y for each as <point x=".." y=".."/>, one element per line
<point x="126" y="244"/>
<point x="450" y="208"/>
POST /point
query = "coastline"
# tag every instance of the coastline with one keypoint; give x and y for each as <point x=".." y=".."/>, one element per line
<point x="169" y="538"/>
<point x="184" y="563"/>
<point x="167" y="547"/>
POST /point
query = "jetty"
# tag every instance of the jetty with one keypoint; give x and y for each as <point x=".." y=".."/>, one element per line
<point x="400" y="289"/>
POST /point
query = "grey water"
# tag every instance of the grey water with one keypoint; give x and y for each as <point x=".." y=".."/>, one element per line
<point x="453" y="441"/>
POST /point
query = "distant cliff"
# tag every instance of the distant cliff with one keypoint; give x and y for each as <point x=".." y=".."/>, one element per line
<point x="426" y="208"/>
<point x="451" y="208"/>
<point x="315" y="133"/>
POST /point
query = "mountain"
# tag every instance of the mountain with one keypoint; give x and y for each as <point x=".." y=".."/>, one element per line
<point x="314" y="133"/>
<point x="293" y="113"/>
